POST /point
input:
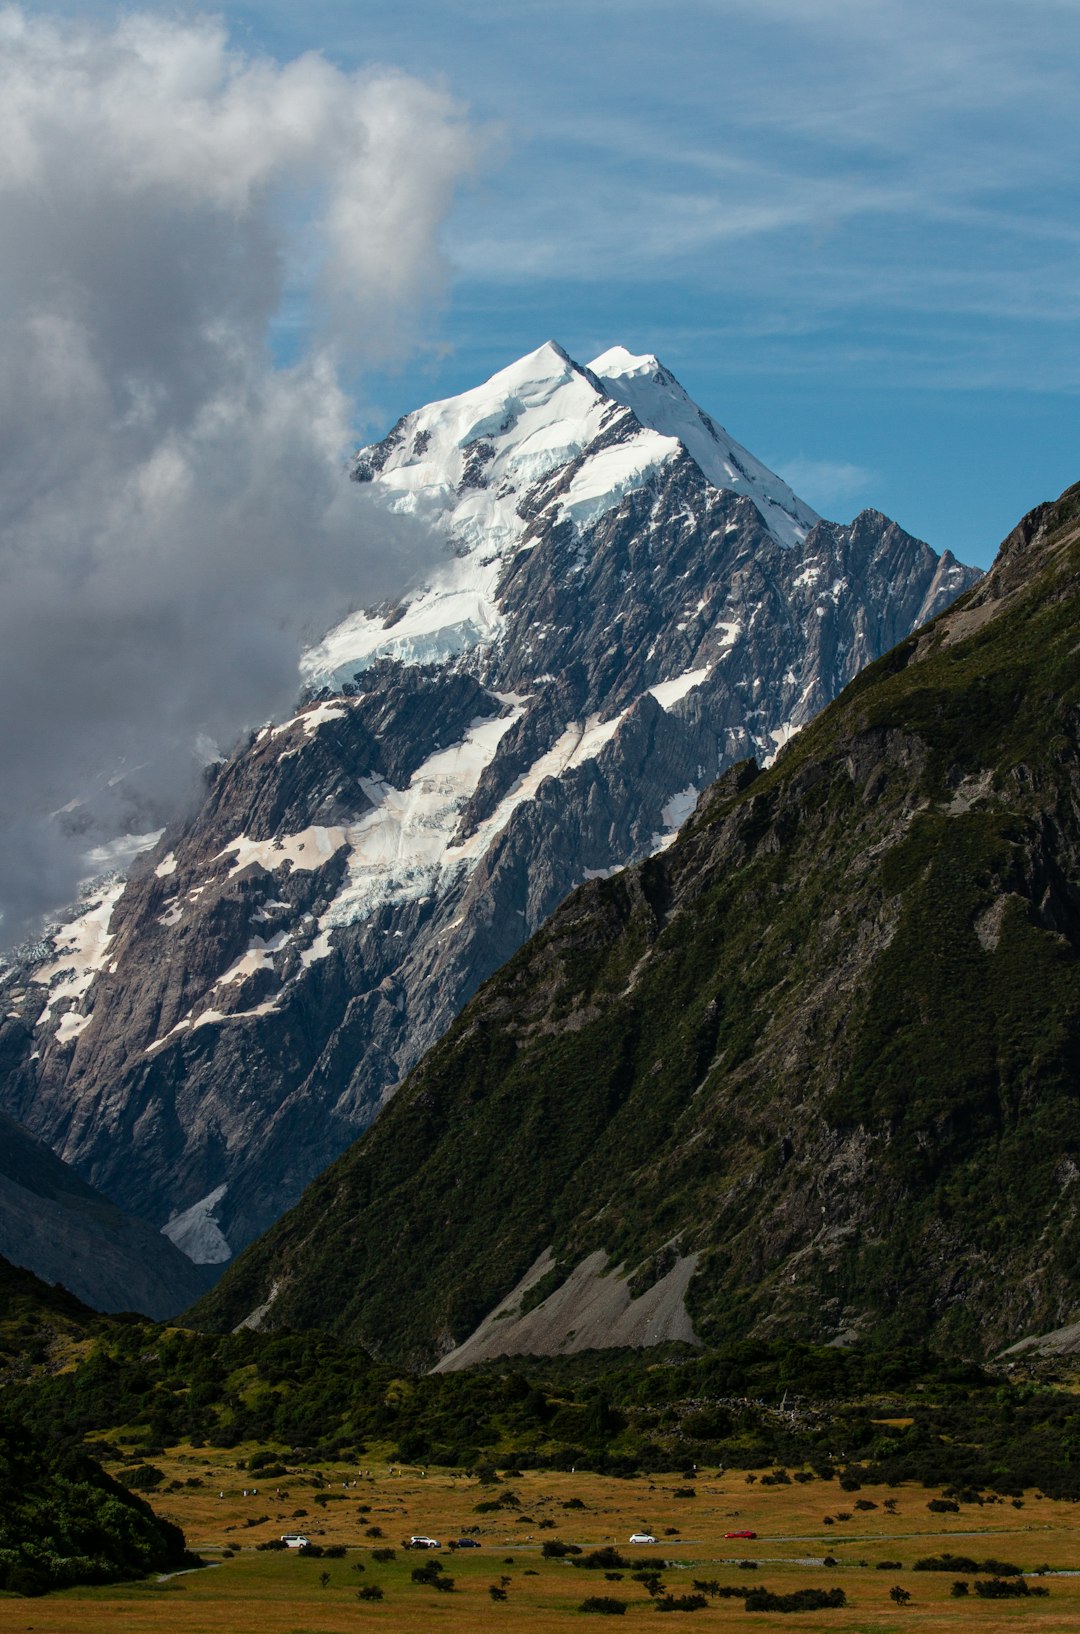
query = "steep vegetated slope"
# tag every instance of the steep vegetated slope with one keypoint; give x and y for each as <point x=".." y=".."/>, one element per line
<point x="630" y="602"/>
<point x="814" y="1069"/>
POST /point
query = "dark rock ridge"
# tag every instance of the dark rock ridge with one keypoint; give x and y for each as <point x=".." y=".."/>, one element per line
<point x="630" y="604"/>
<point x="55" y="1225"/>
<point x="821" y="1057"/>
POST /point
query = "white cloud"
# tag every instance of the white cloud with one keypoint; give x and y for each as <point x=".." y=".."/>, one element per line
<point x="174" y="517"/>
<point x="824" y="483"/>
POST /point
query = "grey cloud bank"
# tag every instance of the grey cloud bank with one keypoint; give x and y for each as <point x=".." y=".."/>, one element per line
<point x="174" y="516"/>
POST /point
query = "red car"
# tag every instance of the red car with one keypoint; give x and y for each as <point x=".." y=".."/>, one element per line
<point x="740" y="1534"/>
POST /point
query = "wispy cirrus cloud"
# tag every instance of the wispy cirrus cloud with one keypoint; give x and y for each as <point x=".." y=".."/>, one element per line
<point x="826" y="484"/>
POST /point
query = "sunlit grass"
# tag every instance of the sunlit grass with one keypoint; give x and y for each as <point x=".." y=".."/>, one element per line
<point x="278" y="1593"/>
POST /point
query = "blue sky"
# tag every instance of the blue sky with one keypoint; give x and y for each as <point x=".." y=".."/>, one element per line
<point x="850" y="227"/>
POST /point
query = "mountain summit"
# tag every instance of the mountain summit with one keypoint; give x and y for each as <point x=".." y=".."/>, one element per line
<point x="544" y="442"/>
<point x="628" y="604"/>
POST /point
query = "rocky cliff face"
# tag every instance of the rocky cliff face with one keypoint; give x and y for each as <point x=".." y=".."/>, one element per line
<point x="810" y="1071"/>
<point x="630" y="603"/>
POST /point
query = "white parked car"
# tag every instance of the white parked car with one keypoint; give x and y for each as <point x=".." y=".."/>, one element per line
<point x="417" y="1542"/>
<point x="294" y="1540"/>
<point x="642" y="1537"/>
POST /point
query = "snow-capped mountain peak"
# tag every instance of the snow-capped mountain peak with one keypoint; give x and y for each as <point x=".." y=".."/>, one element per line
<point x="658" y="400"/>
<point x="626" y="607"/>
<point x="481" y="468"/>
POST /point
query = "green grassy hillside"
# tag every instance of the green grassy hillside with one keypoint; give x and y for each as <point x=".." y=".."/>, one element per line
<point x="829" y="1042"/>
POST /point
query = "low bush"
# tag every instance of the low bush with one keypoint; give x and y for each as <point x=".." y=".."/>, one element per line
<point x="964" y="1563"/>
<point x="605" y="1605"/>
<point x="142" y="1479"/>
<point x="1008" y="1588"/>
<point x="800" y="1600"/>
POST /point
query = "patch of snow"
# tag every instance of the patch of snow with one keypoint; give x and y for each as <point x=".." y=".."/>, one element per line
<point x="398" y="850"/>
<point x="667" y="693"/>
<point x="612" y="473"/>
<point x="679" y="807"/>
<point x="259" y="955"/>
<point x="83" y="953"/>
<point x="172" y="915"/>
<point x="308" y="849"/>
<point x="168" y="865"/>
<point x="780" y="735"/>
<point x="71" y="1025"/>
<point x="196" y="1232"/>
<point x="211" y="1018"/>
<point x="320" y="949"/>
<point x="312" y="719"/>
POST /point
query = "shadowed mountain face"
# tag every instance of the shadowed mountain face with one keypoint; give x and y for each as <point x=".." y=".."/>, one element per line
<point x="630" y="603"/>
<point x="813" y="1070"/>
<point x="55" y="1225"/>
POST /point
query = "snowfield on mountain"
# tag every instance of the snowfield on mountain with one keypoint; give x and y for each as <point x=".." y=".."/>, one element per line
<point x="629" y="603"/>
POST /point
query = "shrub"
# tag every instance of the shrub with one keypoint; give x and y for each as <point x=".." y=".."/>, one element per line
<point x="964" y="1563"/>
<point x="650" y="1581"/>
<point x="959" y="1588"/>
<point x="370" y="1591"/>
<point x="263" y="1461"/>
<point x="555" y="1549"/>
<point x="383" y="1555"/>
<point x="604" y="1604"/>
<point x="801" y="1600"/>
<point x="943" y="1506"/>
<point x="1002" y="1588"/>
<point x="609" y="1560"/>
<point x="143" y="1479"/>
<point x="682" y="1602"/>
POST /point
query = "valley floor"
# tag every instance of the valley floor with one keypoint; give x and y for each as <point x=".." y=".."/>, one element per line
<point x="285" y="1593"/>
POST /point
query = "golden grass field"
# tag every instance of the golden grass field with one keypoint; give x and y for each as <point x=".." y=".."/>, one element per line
<point x="274" y="1593"/>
